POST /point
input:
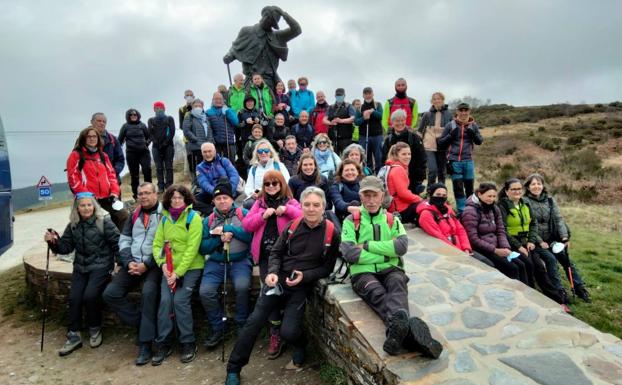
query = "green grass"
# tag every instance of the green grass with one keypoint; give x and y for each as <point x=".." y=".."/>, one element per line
<point x="333" y="375"/>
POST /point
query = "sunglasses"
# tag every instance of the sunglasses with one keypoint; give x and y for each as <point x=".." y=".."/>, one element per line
<point x="263" y="151"/>
<point x="274" y="183"/>
<point x="133" y="114"/>
<point x="322" y="142"/>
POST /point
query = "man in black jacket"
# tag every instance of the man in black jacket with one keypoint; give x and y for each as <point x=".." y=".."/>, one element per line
<point x="162" y="131"/>
<point x="301" y="256"/>
<point x="340" y="121"/>
<point x="400" y="133"/>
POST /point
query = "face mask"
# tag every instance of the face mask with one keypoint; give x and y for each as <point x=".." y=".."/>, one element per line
<point x="302" y="88"/>
<point x="340" y="98"/>
<point x="369" y="100"/>
<point x="486" y="206"/>
<point x="159" y="114"/>
<point x="189" y="99"/>
<point x="438" y="201"/>
<point x="400" y="94"/>
<point x="197" y="111"/>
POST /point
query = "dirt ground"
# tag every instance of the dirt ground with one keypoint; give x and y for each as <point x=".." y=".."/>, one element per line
<point x="112" y="363"/>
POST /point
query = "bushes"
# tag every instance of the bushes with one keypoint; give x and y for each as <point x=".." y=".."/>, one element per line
<point x="582" y="164"/>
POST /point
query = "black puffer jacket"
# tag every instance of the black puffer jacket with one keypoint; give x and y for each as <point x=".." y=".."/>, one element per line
<point x="95" y="249"/>
<point x="162" y="130"/>
<point x="135" y="134"/>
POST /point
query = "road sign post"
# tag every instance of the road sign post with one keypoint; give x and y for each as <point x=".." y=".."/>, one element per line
<point x="44" y="189"/>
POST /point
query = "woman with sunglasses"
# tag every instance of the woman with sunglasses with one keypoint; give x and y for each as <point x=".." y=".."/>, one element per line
<point x="274" y="208"/>
<point x="522" y="232"/>
<point x="135" y="135"/>
<point x="327" y="160"/>
<point x="265" y="158"/>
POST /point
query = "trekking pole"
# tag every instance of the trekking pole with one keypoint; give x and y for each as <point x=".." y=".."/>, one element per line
<point x="571" y="281"/>
<point x="172" y="287"/>
<point x="367" y="143"/>
<point x="224" y="300"/>
<point x="45" y="296"/>
<point x="229" y="73"/>
<point x="227" y="137"/>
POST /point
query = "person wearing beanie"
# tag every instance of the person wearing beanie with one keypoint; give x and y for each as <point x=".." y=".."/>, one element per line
<point x="136" y="134"/>
<point x="161" y="129"/>
<point x="228" y="247"/>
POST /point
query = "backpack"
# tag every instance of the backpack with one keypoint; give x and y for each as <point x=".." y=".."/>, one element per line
<point x="328" y="235"/>
<point x="188" y="219"/>
<point x="238" y="212"/>
<point x="411" y="103"/>
<point x="83" y="159"/>
<point x="383" y="174"/>
<point x="276" y="167"/>
<point x="137" y="212"/>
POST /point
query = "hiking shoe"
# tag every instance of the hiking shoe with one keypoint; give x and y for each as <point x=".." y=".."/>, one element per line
<point x="232" y="379"/>
<point x="214" y="340"/>
<point x="563" y="296"/>
<point x="298" y="359"/>
<point x="396" y="332"/>
<point x="188" y="352"/>
<point x="96" y="337"/>
<point x="74" y="342"/>
<point x="566" y="309"/>
<point x="582" y="293"/>
<point x="276" y="345"/>
<point x="144" y="354"/>
<point x="162" y="351"/>
<point x="419" y="339"/>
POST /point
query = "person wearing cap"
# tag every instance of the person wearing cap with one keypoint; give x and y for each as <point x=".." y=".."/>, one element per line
<point x="302" y="99"/>
<point x="236" y="93"/>
<point x="197" y="130"/>
<point x="401" y="101"/>
<point x="138" y="268"/>
<point x="460" y="136"/>
<point x="135" y="135"/>
<point x="340" y="121"/>
<point x="371" y="134"/>
<point x="223" y="121"/>
<point x="226" y="243"/>
<point x="94" y="238"/>
<point x="300" y="257"/>
<point x="162" y="132"/>
<point x="374" y="244"/>
<point x="209" y="174"/>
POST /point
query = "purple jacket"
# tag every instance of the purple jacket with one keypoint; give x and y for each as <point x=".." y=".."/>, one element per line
<point x="254" y="223"/>
<point x="486" y="231"/>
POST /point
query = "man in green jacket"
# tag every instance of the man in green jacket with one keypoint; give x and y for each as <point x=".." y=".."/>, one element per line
<point x="237" y="93"/>
<point x="373" y="242"/>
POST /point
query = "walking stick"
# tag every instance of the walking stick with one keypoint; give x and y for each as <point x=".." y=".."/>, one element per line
<point x="229" y="73"/>
<point x="224" y="300"/>
<point x="45" y="295"/>
<point x="571" y="281"/>
<point x="168" y="253"/>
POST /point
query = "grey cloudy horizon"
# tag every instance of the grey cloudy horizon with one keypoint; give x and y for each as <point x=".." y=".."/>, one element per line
<point x="62" y="61"/>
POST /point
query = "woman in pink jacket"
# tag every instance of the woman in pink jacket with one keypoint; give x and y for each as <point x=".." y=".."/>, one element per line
<point x="272" y="211"/>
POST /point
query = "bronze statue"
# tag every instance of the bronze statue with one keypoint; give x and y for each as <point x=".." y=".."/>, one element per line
<point x="259" y="47"/>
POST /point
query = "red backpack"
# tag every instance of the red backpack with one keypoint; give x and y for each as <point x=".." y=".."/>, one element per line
<point x="356" y="218"/>
<point x="328" y="235"/>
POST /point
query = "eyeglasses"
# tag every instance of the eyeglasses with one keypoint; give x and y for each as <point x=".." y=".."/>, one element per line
<point x="274" y="183"/>
<point x="145" y="193"/>
<point x="263" y="151"/>
<point x="322" y="142"/>
<point x="91" y="136"/>
<point x="515" y="189"/>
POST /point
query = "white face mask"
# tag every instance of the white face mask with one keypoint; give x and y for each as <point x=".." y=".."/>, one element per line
<point x="189" y="99"/>
<point x="197" y="110"/>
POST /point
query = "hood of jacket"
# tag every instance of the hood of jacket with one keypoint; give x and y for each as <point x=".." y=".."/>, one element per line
<point x="127" y="116"/>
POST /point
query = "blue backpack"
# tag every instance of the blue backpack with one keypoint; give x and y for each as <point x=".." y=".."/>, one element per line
<point x="188" y="219"/>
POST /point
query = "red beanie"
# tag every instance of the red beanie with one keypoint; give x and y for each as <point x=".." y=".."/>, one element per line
<point x="158" y="105"/>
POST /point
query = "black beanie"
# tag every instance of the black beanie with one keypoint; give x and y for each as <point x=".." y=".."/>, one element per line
<point x="223" y="187"/>
<point x="435" y="186"/>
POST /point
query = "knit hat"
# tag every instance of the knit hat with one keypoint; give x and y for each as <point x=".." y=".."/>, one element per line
<point x="158" y="104"/>
<point x="435" y="186"/>
<point x="223" y="187"/>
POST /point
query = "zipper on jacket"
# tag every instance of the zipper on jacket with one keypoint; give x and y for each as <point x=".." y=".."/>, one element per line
<point x="461" y="142"/>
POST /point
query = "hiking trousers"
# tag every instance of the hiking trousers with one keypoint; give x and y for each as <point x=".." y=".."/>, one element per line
<point x="87" y="289"/>
<point x="137" y="160"/>
<point x="385" y="292"/>
<point x="163" y="159"/>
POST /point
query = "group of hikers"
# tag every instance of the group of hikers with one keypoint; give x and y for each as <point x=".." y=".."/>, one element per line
<point x="283" y="180"/>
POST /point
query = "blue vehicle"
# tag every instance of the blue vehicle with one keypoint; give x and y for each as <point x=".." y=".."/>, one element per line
<point x="6" y="205"/>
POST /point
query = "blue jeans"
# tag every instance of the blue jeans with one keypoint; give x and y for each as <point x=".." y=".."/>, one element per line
<point x="552" y="270"/>
<point x="374" y="149"/>
<point x="213" y="276"/>
<point x="462" y="178"/>
<point x="177" y="306"/>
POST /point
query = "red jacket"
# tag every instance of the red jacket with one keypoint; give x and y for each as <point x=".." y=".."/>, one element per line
<point x="397" y="187"/>
<point x="96" y="177"/>
<point x="447" y="227"/>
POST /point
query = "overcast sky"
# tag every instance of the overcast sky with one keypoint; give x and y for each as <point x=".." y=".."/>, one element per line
<point x="63" y="60"/>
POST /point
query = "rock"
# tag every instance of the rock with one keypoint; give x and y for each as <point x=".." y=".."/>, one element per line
<point x="442" y="319"/>
<point x="511" y="330"/>
<point x="550" y="368"/>
<point x="499" y="377"/>
<point x="486" y="278"/>
<point x="421" y="257"/>
<point x="464" y="363"/>
<point x="457" y="381"/>
<point x="462" y="271"/>
<point x="426" y="295"/>
<point x="565" y="320"/>
<point x="500" y="299"/>
<point x="462" y="292"/>
<point x="527" y="314"/>
<point x="477" y="319"/>
<point x="614" y="349"/>
<point x="454" y="335"/>
<point x="438" y="279"/>
<point x="606" y="371"/>
<point x="34" y="378"/>
<point x="485" y="350"/>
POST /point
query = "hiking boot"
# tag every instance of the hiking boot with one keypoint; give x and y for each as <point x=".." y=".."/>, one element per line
<point x="95" y="339"/>
<point x="232" y="379"/>
<point x="563" y="297"/>
<point x="419" y="339"/>
<point x="582" y="293"/>
<point x="396" y="332"/>
<point x="74" y="342"/>
<point x="188" y="352"/>
<point x="214" y="340"/>
<point x="566" y="309"/>
<point x="276" y="346"/>
<point x="298" y="359"/>
<point x="144" y="354"/>
<point x="162" y="351"/>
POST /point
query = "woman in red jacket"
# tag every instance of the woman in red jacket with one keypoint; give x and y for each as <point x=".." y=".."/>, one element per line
<point x="437" y="218"/>
<point x="403" y="200"/>
<point x="90" y="170"/>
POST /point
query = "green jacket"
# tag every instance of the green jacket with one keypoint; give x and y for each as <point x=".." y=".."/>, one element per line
<point x="184" y="242"/>
<point x="236" y="98"/>
<point x="267" y="97"/>
<point x="519" y="226"/>
<point x="379" y="251"/>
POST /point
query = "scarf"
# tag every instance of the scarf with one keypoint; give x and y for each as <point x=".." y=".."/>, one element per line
<point x="260" y="104"/>
<point x="176" y="212"/>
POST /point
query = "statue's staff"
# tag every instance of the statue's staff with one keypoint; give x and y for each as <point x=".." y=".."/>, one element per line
<point x="229" y="73"/>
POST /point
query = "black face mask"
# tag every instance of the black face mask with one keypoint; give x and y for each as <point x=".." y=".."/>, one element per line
<point x="486" y="206"/>
<point x="439" y="203"/>
<point x="400" y="95"/>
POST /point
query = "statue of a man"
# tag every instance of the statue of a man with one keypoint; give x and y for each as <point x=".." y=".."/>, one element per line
<point x="259" y="47"/>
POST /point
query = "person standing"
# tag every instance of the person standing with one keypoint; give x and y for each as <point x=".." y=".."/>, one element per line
<point x="197" y="130"/>
<point x="302" y="99"/>
<point x="340" y="119"/>
<point x="223" y="121"/>
<point x="318" y="114"/>
<point x="369" y="121"/>
<point x="136" y="134"/>
<point x="162" y="131"/>
<point x="401" y="101"/>
<point x="236" y="93"/>
<point x="110" y="145"/>
<point x="431" y="128"/>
